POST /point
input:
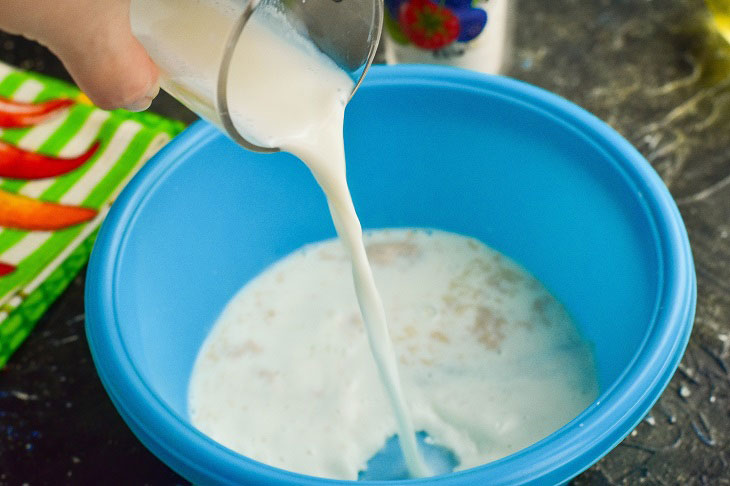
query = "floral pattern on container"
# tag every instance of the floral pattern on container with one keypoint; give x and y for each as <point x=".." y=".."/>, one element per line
<point x="434" y="24"/>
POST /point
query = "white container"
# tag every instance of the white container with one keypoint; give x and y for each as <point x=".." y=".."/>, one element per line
<point x="487" y="50"/>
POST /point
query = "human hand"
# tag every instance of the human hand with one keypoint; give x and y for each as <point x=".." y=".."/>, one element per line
<point x="94" y="40"/>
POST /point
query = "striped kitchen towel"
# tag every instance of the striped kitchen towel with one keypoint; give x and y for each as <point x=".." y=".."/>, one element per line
<point x="62" y="163"/>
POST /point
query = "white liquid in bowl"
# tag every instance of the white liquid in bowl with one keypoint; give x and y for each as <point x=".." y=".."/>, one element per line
<point x="489" y="361"/>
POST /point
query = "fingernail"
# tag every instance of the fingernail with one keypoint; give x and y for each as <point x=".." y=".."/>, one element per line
<point x="139" y="105"/>
<point x="144" y="102"/>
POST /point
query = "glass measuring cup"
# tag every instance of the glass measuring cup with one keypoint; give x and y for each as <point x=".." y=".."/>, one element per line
<point x="192" y="42"/>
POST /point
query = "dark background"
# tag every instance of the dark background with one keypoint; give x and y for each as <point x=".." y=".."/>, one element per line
<point x="654" y="70"/>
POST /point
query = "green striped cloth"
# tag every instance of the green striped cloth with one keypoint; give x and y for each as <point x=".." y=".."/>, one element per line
<point x="46" y="262"/>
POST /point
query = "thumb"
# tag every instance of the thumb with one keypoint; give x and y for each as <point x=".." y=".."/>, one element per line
<point x="99" y="51"/>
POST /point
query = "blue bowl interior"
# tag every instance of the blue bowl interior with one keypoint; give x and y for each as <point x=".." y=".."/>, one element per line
<point x="425" y="155"/>
<point x="522" y="182"/>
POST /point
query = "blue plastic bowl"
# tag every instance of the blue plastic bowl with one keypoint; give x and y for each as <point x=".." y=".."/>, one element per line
<point x="523" y="170"/>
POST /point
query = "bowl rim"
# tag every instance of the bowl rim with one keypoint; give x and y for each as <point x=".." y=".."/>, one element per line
<point x="554" y="459"/>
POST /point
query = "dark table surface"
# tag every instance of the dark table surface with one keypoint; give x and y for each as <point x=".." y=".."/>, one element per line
<point x="653" y="70"/>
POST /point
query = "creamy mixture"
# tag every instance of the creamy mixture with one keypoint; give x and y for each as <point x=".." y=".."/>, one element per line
<point x="490" y="362"/>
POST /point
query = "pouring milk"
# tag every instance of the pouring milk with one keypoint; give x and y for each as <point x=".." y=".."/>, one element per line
<point x="315" y="91"/>
<point x="475" y="333"/>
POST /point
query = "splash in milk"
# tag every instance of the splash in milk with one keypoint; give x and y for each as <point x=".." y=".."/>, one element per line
<point x="292" y="381"/>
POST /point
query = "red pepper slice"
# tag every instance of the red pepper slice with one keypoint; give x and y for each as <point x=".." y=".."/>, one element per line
<point x="6" y="269"/>
<point x="24" y="213"/>
<point x="17" y="114"/>
<point x="16" y="163"/>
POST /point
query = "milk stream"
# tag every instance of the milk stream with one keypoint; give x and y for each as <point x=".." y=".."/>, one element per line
<point x="301" y="110"/>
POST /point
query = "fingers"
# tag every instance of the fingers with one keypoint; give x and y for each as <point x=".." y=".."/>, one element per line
<point x="93" y="39"/>
<point x="106" y="60"/>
